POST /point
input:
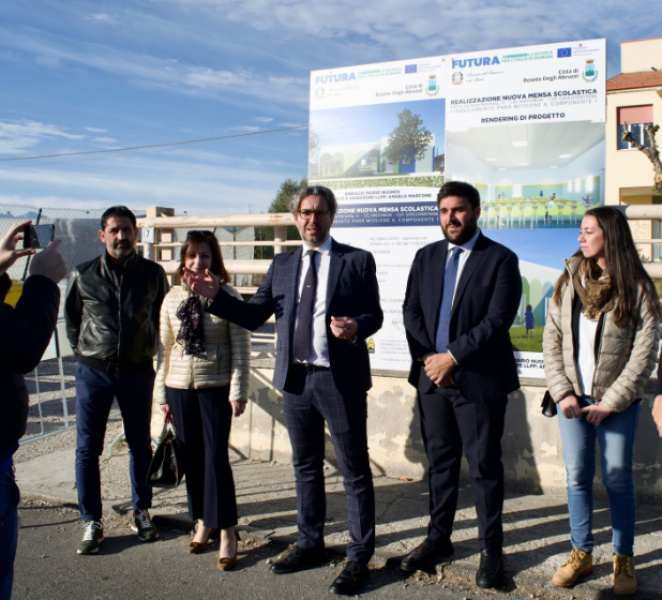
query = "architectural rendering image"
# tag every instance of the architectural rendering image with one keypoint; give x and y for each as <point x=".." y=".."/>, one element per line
<point x="377" y="140"/>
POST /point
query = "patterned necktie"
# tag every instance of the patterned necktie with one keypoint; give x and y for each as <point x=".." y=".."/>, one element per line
<point x="304" y="329"/>
<point x="450" y="276"/>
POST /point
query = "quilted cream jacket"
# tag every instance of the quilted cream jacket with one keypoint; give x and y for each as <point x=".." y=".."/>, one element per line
<point x="626" y="359"/>
<point x="228" y="353"/>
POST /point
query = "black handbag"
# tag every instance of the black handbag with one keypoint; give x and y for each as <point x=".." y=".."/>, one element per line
<point x="167" y="469"/>
<point x="548" y="405"/>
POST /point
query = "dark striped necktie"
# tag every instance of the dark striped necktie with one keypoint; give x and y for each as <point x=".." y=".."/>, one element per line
<point x="303" y="334"/>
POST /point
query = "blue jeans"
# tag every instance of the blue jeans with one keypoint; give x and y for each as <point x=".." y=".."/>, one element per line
<point x="615" y="436"/>
<point x="9" y="498"/>
<point x="95" y="392"/>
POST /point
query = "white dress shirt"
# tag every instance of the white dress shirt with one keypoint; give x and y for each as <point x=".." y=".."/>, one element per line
<point x="319" y="352"/>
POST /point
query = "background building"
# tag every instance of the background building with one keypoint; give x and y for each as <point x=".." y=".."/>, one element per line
<point x="634" y="99"/>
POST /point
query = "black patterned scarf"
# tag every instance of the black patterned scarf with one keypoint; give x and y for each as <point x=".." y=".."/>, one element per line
<point x="191" y="333"/>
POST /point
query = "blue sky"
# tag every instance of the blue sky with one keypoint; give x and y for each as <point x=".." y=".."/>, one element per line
<point x="80" y="76"/>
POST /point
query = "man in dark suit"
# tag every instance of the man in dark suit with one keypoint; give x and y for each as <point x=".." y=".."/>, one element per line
<point x="462" y="297"/>
<point x="326" y="301"/>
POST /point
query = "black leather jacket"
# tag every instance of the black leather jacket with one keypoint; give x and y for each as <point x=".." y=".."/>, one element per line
<point x="24" y="336"/>
<point x="113" y="323"/>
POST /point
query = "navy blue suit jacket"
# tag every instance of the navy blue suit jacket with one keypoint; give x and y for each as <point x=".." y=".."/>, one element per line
<point x="487" y="297"/>
<point x="352" y="291"/>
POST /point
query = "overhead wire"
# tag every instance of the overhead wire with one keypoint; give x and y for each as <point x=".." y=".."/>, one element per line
<point x="151" y="146"/>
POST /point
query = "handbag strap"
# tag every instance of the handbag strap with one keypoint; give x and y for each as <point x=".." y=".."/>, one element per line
<point x="169" y="424"/>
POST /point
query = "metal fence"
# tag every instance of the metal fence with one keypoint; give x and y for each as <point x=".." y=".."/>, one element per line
<point x="52" y="389"/>
<point x="77" y="228"/>
<point x="51" y="384"/>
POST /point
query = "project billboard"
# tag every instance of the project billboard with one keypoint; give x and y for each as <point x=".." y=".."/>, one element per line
<point x="526" y="126"/>
<point x="377" y="140"/>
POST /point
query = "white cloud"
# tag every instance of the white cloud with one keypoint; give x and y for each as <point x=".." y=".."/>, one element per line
<point x="105" y="140"/>
<point x="17" y="136"/>
<point x="96" y="130"/>
<point x="262" y="119"/>
<point x="101" y="18"/>
<point x="184" y="183"/>
<point x="381" y="30"/>
<point x="144" y="69"/>
<point x="206" y="78"/>
<point x="246" y="128"/>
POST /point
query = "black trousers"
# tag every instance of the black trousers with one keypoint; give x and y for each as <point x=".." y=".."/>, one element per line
<point x="449" y="423"/>
<point x="202" y="421"/>
<point x="346" y="415"/>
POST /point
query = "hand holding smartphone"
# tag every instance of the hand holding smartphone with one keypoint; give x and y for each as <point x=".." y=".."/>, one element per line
<point x="38" y="236"/>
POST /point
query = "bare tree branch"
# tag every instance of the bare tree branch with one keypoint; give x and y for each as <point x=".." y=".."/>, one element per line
<point x="652" y="152"/>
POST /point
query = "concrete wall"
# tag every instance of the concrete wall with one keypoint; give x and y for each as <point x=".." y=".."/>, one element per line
<point x="531" y="444"/>
<point x="641" y="55"/>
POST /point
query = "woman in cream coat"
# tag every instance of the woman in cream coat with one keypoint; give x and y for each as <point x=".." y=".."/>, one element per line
<point x="202" y="379"/>
<point x="600" y="347"/>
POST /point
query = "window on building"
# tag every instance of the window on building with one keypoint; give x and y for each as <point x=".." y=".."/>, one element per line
<point x="634" y="119"/>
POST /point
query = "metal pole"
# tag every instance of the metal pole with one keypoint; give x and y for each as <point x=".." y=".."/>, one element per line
<point x="36" y="383"/>
<point x="63" y="390"/>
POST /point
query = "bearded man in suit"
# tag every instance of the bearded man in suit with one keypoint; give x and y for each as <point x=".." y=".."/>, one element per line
<point x="462" y="297"/>
<point x="326" y="300"/>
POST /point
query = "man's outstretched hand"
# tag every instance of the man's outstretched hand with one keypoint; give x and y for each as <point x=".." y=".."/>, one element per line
<point x="204" y="284"/>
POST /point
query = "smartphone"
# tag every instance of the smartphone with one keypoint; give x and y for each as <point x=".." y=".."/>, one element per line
<point x="38" y="236"/>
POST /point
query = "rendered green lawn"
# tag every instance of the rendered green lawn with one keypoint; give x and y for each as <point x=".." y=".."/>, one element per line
<point x="526" y="344"/>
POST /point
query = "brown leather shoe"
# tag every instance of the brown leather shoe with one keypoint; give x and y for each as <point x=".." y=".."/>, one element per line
<point x="197" y="547"/>
<point x="226" y="563"/>
<point x="200" y="547"/>
<point x="578" y="565"/>
<point x="625" y="582"/>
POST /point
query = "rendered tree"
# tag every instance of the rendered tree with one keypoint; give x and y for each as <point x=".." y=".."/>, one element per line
<point x="409" y="140"/>
<point x="313" y="146"/>
<point x="652" y="152"/>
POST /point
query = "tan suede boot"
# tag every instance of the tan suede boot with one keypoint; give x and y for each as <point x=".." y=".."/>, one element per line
<point x="578" y="565"/>
<point x="625" y="582"/>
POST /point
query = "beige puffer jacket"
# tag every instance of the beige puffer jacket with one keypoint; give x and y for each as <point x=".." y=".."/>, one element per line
<point x="626" y="358"/>
<point x="228" y="349"/>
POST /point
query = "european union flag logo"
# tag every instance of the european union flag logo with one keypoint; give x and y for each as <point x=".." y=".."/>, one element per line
<point x="563" y="52"/>
<point x="410" y="69"/>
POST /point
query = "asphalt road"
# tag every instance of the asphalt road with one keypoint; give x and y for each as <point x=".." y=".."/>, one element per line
<point x="48" y="568"/>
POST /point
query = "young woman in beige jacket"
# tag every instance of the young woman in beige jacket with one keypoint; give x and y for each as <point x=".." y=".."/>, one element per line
<point x="202" y="379"/>
<point x="600" y="347"/>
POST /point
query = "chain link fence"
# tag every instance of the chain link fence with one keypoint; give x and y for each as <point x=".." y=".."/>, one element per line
<point x="51" y="384"/>
<point x="77" y="228"/>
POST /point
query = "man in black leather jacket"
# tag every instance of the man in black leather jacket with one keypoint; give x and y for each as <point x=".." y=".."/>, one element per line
<point x="25" y="333"/>
<point x="112" y="313"/>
